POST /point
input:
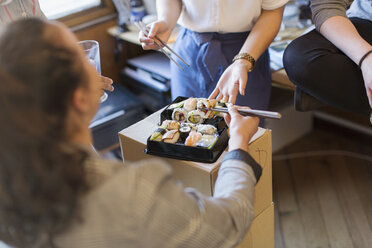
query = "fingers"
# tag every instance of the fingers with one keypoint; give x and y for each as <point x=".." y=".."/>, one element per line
<point x="147" y="42"/>
<point x="233" y="110"/>
<point x="107" y="83"/>
<point x="227" y="118"/>
<point x="153" y="30"/>
<point x="242" y="84"/>
<point x="214" y="93"/>
<point x="369" y="94"/>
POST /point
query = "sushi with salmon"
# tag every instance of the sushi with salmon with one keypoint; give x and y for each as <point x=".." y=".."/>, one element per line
<point x="193" y="138"/>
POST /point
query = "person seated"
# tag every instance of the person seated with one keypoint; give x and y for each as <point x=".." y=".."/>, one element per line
<point x="334" y="62"/>
<point x="56" y="192"/>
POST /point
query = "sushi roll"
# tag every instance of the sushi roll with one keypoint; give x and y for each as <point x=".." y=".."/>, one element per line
<point x="171" y="136"/>
<point x="195" y="116"/>
<point x="206" y="129"/>
<point x="171" y="125"/>
<point x="184" y="132"/>
<point x="221" y="104"/>
<point x="193" y="138"/>
<point x="177" y="105"/>
<point x="179" y="114"/>
<point x="189" y="124"/>
<point x="158" y="134"/>
<point x="213" y="102"/>
<point x="190" y="104"/>
<point x="203" y="105"/>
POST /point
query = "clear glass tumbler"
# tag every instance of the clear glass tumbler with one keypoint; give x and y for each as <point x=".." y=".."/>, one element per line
<point x="91" y="49"/>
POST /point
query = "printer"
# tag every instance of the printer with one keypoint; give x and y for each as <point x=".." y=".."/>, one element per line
<point x="148" y="76"/>
<point x="121" y="109"/>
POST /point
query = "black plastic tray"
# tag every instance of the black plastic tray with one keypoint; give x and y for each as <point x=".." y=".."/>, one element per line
<point x="180" y="151"/>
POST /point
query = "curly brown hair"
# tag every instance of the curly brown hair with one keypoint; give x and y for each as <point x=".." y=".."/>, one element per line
<point x="41" y="173"/>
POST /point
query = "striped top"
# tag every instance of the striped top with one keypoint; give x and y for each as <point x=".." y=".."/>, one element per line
<point x="141" y="205"/>
<point x="18" y="9"/>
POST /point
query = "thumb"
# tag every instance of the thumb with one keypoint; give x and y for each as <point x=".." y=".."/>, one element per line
<point x="233" y="110"/>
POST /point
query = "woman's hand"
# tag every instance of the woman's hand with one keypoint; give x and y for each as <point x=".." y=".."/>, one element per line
<point x="232" y="81"/>
<point x="367" y="76"/>
<point x="241" y="128"/>
<point x="106" y="84"/>
<point x="158" y="28"/>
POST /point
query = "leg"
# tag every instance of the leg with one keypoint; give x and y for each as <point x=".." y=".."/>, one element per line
<point x="320" y="69"/>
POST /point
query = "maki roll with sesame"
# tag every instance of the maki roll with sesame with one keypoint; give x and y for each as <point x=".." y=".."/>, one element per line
<point x="184" y="132"/>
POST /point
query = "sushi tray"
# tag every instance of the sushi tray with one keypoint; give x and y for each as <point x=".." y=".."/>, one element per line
<point x="187" y="131"/>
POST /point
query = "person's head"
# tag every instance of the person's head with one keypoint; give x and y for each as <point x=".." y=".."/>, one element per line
<point x="48" y="95"/>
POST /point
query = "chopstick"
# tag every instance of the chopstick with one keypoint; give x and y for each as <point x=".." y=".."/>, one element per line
<point x="250" y="112"/>
<point x="171" y="50"/>
<point x="141" y="26"/>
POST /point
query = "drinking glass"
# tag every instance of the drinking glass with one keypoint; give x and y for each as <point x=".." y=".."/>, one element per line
<point x="91" y="49"/>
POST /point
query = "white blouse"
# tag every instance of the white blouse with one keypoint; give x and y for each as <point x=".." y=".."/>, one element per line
<point x="224" y="16"/>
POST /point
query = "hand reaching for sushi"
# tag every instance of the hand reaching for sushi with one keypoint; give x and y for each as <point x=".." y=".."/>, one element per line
<point x="242" y="128"/>
<point x="232" y="82"/>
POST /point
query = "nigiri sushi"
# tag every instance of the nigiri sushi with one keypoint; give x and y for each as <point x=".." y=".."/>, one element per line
<point x="171" y="125"/>
<point x="193" y="138"/>
<point x="206" y="129"/>
<point x="171" y="136"/>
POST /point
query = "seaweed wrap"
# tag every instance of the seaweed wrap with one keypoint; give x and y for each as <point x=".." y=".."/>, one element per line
<point x="184" y="132"/>
<point x="179" y="114"/>
<point x="195" y="116"/>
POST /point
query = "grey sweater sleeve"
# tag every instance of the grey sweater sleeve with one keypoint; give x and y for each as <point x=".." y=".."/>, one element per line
<point x="142" y="205"/>
<point x="324" y="9"/>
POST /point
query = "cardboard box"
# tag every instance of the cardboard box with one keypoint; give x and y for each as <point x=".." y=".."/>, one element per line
<point x="261" y="232"/>
<point x="201" y="175"/>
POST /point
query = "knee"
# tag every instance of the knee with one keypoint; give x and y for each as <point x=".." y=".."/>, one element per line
<point x="294" y="61"/>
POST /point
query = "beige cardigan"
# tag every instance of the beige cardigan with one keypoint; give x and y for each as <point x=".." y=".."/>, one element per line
<point x="141" y="205"/>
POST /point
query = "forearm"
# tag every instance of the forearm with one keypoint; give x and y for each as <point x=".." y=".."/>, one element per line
<point x="323" y="9"/>
<point x="342" y="33"/>
<point x="169" y="11"/>
<point x="263" y="32"/>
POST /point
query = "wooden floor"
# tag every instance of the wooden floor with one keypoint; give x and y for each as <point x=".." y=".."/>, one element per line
<point x="323" y="201"/>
